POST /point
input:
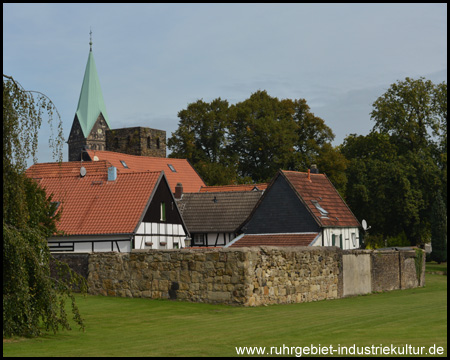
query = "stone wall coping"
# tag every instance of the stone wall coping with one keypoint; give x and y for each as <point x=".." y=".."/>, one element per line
<point x="254" y="249"/>
<point x="240" y="249"/>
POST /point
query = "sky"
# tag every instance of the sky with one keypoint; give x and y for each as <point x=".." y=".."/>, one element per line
<point x="153" y="60"/>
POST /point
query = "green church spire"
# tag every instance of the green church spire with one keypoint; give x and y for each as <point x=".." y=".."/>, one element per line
<point x="91" y="103"/>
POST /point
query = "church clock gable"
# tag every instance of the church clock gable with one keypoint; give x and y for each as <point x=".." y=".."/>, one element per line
<point x="96" y="139"/>
<point x="97" y="136"/>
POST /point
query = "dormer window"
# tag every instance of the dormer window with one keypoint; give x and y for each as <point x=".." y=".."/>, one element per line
<point x="54" y="206"/>
<point x="322" y="211"/>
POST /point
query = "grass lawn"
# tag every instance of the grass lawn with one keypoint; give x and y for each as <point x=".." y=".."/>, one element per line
<point x="142" y="327"/>
<point x="433" y="266"/>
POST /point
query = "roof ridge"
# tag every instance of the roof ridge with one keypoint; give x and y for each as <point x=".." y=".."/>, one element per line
<point x="226" y="192"/>
<point x="233" y="185"/>
<point x="302" y="172"/>
<point x="130" y="155"/>
<point x="287" y="234"/>
<point x="140" y="172"/>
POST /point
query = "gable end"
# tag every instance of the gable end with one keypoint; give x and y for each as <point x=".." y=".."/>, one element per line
<point x="280" y="211"/>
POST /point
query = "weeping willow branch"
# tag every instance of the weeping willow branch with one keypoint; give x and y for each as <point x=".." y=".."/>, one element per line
<point x="24" y="118"/>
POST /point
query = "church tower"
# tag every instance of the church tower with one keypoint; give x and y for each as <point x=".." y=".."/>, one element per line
<point x="91" y="119"/>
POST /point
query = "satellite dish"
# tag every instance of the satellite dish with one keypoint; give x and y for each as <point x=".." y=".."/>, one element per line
<point x="364" y="225"/>
<point x="83" y="171"/>
<point x="96" y="158"/>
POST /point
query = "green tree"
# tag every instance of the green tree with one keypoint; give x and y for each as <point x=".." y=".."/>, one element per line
<point x="439" y="230"/>
<point x="379" y="185"/>
<point x="313" y="136"/>
<point x="440" y="150"/>
<point x="394" y="171"/>
<point x="201" y="138"/>
<point x="331" y="162"/>
<point x="262" y="135"/>
<point x="30" y="295"/>
<point x="411" y="112"/>
<point x="251" y="140"/>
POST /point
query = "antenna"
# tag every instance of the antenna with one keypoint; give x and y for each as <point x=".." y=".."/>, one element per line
<point x="83" y="171"/>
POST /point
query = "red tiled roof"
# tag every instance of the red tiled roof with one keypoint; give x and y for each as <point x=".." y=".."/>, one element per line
<point x="184" y="172"/>
<point x="275" y="240"/>
<point x="240" y="187"/>
<point x="319" y="188"/>
<point x="93" y="205"/>
<point x="70" y="168"/>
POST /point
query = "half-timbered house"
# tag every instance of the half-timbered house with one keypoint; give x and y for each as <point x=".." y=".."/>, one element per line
<point x="300" y="208"/>
<point x="103" y="210"/>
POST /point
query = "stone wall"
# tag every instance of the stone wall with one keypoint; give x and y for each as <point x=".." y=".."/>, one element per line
<point x="292" y="275"/>
<point x="77" y="262"/>
<point x="199" y="276"/>
<point x="408" y="273"/>
<point x="385" y="270"/>
<point x="250" y="276"/>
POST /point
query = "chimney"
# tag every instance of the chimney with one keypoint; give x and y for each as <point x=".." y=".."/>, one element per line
<point x="314" y="169"/>
<point x="112" y="173"/>
<point x="178" y="191"/>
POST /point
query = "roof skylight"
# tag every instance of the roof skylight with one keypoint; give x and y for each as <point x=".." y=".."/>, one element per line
<point x="124" y="164"/>
<point x="322" y="211"/>
<point x="171" y="167"/>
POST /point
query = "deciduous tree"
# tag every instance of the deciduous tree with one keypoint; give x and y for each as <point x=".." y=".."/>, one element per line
<point x="439" y="230"/>
<point x="31" y="298"/>
<point x="395" y="171"/>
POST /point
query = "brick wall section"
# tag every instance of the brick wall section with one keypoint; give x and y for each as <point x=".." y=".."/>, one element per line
<point x="241" y="276"/>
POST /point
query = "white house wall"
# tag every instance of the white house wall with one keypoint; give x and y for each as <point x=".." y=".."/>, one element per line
<point x="85" y="244"/>
<point x="211" y="239"/>
<point x="159" y="236"/>
<point x="350" y="238"/>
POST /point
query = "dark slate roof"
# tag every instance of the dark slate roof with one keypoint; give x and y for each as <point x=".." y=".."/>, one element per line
<point x="217" y="212"/>
<point x="304" y="239"/>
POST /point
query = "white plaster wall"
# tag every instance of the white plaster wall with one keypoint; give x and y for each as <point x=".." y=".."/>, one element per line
<point x="83" y="244"/>
<point x="357" y="277"/>
<point x="347" y="243"/>
<point x="159" y="233"/>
